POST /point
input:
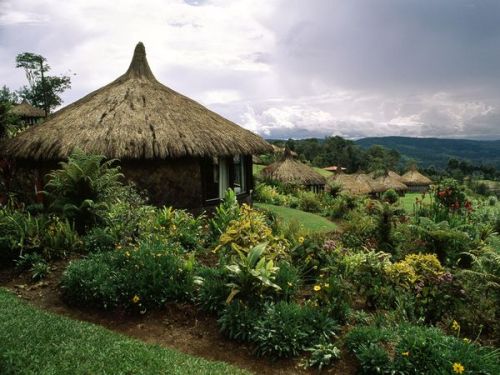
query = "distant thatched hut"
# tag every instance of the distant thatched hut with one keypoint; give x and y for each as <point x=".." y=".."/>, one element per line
<point x="357" y="183"/>
<point x="179" y="151"/>
<point x="27" y="113"/>
<point x="416" y="181"/>
<point x="386" y="181"/>
<point x="292" y="172"/>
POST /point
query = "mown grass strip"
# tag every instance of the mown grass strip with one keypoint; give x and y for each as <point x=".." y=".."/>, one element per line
<point x="37" y="342"/>
<point x="309" y="221"/>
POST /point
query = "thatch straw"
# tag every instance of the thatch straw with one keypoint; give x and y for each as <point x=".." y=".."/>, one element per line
<point x="290" y="171"/>
<point x="27" y="110"/>
<point x="135" y="117"/>
<point x="357" y="183"/>
<point x="415" y="178"/>
<point x="386" y="181"/>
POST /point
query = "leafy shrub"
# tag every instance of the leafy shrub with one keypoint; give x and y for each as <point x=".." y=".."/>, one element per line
<point x="39" y="270"/>
<point x="341" y="206"/>
<point x="450" y="195"/>
<point x="144" y="277"/>
<point x="213" y="289"/>
<point x="288" y="279"/>
<point x="238" y="321"/>
<point x="390" y="196"/>
<point x="99" y="239"/>
<point x="247" y="231"/>
<point x="322" y="355"/>
<point x="334" y="294"/>
<point x="225" y="212"/>
<point x="310" y="255"/>
<point x="22" y="233"/>
<point x="492" y="200"/>
<point x="359" y="229"/>
<point x="251" y="276"/>
<point x="309" y="201"/>
<point x="286" y="329"/>
<point x="82" y="188"/>
<point x="411" y="349"/>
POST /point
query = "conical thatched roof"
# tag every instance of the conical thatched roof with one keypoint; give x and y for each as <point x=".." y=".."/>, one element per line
<point x="135" y="117"/>
<point x="27" y="110"/>
<point x="415" y="178"/>
<point x="386" y="181"/>
<point x="357" y="183"/>
<point x="290" y="171"/>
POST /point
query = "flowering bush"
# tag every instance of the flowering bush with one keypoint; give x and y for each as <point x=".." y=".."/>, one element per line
<point x="141" y="277"/>
<point x="410" y="349"/>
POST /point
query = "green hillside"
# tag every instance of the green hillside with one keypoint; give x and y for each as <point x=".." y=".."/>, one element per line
<point x="437" y="152"/>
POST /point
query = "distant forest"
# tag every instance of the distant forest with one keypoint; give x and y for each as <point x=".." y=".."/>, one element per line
<point x="457" y="157"/>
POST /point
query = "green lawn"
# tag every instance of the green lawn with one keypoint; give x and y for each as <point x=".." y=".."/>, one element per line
<point x="312" y="222"/>
<point x="407" y="202"/>
<point x="37" y="342"/>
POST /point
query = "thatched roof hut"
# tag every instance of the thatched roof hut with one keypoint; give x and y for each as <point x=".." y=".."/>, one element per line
<point x="293" y="172"/>
<point x="149" y="127"/>
<point x="357" y="183"/>
<point x="416" y="181"/>
<point x="27" y="113"/>
<point x="386" y="181"/>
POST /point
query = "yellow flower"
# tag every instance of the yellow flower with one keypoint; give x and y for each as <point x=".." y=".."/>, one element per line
<point x="455" y="326"/>
<point x="317" y="288"/>
<point x="327" y="285"/>
<point x="174" y="227"/>
<point x="118" y="247"/>
<point x="136" y="299"/>
<point x="458" y="368"/>
<point x="127" y="253"/>
<point x="406" y="354"/>
<point x="466" y="340"/>
<point x="301" y="239"/>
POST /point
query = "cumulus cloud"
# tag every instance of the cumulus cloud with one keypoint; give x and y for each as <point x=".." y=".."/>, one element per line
<point x="285" y="68"/>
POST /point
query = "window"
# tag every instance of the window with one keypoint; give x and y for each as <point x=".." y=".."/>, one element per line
<point x="223" y="173"/>
<point x="239" y="183"/>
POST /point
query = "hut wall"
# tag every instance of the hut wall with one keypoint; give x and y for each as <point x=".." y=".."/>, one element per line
<point x="175" y="182"/>
<point x="418" y="188"/>
<point x="24" y="179"/>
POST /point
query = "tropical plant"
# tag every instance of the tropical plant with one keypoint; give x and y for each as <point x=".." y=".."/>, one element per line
<point x="252" y="276"/>
<point x="82" y="189"/>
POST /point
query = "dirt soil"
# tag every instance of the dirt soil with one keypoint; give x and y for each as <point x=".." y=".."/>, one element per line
<point x="178" y="326"/>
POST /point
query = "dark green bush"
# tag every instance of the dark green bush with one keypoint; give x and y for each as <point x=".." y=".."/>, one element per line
<point x="390" y="196"/>
<point x="99" y="239"/>
<point x="409" y="349"/>
<point x="238" y="321"/>
<point x="286" y="329"/>
<point x="288" y="279"/>
<point x="309" y="201"/>
<point x="213" y="289"/>
<point x="144" y="277"/>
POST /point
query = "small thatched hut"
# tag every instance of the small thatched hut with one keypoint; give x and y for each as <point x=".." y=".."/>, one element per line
<point x="292" y="172"/>
<point x="27" y="113"/>
<point x="386" y="181"/>
<point x="416" y="181"/>
<point x="182" y="153"/>
<point x="357" y="183"/>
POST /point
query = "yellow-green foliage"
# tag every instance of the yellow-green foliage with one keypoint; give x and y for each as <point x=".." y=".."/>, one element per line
<point x="249" y="230"/>
<point x="415" y="268"/>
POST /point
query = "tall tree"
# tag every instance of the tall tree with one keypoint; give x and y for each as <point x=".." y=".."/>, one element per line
<point x="44" y="90"/>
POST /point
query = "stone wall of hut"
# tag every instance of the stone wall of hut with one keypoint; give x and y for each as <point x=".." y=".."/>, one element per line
<point x="24" y="180"/>
<point x="175" y="182"/>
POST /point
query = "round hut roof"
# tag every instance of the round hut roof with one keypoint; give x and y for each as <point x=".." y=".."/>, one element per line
<point x="415" y="178"/>
<point x="135" y="117"/>
<point x="290" y="171"/>
<point x="357" y="183"/>
<point x="387" y="181"/>
<point x="27" y="110"/>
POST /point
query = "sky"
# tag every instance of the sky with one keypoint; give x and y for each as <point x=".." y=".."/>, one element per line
<point x="283" y="68"/>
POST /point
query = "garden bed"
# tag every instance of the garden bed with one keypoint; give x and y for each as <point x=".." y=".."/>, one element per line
<point x="179" y="326"/>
